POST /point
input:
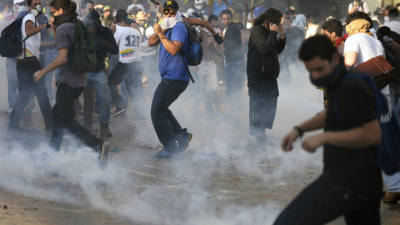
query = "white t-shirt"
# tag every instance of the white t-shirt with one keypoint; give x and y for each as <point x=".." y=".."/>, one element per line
<point x="33" y="42"/>
<point x="131" y="6"/>
<point x="394" y="26"/>
<point x="365" y="45"/>
<point x="367" y="48"/>
<point x="128" y="40"/>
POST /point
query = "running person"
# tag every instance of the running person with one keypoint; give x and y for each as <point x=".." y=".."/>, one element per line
<point x="70" y="83"/>
<point x="128" y="69"/>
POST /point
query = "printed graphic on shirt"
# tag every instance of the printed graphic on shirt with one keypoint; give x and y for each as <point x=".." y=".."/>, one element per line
<point x="128" y="40"/>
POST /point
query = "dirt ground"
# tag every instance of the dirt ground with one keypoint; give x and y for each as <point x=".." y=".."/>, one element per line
<point x="227" y="187"/>
<point x="214" y="182"/>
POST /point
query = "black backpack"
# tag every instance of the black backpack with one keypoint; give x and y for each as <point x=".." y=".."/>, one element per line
<point x="11" y="40"/>
<point x="83" y="55"/>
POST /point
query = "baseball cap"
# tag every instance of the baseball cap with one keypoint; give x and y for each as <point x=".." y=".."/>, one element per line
<point x="171" y="4"/>
<point x="107" y="7"/>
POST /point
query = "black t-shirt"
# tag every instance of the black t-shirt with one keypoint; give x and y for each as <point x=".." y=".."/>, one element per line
<point x="233" y="42"/>
<point x="352" y="168"/>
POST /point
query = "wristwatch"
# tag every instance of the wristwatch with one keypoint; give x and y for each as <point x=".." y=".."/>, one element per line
<point x="48" y="25"/>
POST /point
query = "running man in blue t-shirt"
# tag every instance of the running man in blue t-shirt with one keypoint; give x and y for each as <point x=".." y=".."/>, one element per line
<point x="174" y="39"/>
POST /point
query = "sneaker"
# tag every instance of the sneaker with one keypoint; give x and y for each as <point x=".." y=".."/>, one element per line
<point x="103" y="150"/>
<point x="184" y="139"/>
<point x="164" y="154"/>
<point x="105" y="131"/>
<point x="391" y="197"/>
<point x="118" y="112"/>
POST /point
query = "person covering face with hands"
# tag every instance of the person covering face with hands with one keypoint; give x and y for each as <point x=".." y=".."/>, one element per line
<point x="175" y="78"/>
<point x="28" y="63"/>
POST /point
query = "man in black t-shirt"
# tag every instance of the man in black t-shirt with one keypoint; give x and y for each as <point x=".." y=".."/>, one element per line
<point x="350" y="184"/>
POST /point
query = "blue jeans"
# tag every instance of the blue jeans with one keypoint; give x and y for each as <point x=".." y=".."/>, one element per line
<point x="99" y="82"/>
<point x="130" y="75"/>
<point x="322" y="202"/>
<point x="26" y="87"/>
<point x="11" y="67"/>
<point x="164" y="122"/>
<point x="392" y="182"/>
<point x="235" y="76"/>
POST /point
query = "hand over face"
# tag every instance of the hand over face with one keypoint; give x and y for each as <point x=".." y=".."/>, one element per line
<point x="157" y="28"/>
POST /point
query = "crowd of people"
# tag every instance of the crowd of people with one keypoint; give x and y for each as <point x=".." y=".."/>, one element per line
<point x="130" y="43"/>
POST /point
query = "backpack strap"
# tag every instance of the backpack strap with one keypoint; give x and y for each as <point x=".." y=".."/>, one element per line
<point x="182" y="53"/>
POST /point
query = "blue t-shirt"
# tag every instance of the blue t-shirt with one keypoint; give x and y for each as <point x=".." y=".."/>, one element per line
<point x="172" y="66"/>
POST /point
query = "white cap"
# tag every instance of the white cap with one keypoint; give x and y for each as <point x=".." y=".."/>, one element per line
<point x="18" y="1"/>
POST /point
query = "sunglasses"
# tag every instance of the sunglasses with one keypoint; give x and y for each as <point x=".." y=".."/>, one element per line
<point x="168" y="11"/>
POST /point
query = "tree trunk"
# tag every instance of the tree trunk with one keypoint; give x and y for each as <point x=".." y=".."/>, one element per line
<point x="246" y="11"/>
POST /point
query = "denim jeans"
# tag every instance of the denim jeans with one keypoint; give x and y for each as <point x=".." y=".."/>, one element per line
<point x="392" y="182"/>
<point x="99" y="84"/>
<point x="164" y="122"/>
<point x="322" y="202"/>
<point x="11" y="66"/>
<point x="64" y="112"/>
<point x="235" y="76"/>
<point x="26" y="85"/>
<point x="131" y="75"/>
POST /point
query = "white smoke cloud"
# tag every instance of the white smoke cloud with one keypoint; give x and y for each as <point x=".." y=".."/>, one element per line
<point x="213" y="183"/>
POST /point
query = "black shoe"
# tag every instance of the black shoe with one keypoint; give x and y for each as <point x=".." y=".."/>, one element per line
<point x="184" y="139"/>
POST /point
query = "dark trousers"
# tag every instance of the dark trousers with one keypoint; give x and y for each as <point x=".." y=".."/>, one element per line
<point x="234" y="77"/>
<point x="164" y="122"/>
<point x="26" y="86"/>
<point x="131" y="74"/>
<point x="263" y="103"/>
<point x="64" y="112"/>
<point x="322" y="202"/>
